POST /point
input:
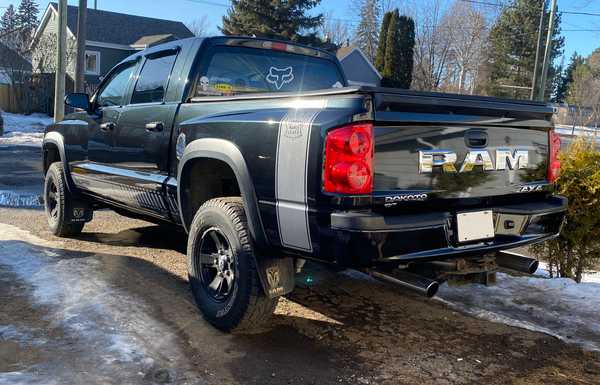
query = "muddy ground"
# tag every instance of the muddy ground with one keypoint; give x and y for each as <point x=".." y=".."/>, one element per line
<point x="334" y="328"/>
<point x="338" y="329"/>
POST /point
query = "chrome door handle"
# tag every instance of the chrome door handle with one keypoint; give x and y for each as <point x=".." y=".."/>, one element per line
<point x="155" y="126"/>
<point x="108" y="126"/>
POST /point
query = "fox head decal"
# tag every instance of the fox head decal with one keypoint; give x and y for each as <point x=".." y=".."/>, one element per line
<point x="279" y="77"/>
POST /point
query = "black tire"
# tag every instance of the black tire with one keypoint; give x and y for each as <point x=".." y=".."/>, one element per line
<point x="231" y="305"/>
<point x="56" y="198"/>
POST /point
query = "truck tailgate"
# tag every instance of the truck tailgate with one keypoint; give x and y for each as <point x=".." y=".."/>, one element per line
<point x="440" y="146"/>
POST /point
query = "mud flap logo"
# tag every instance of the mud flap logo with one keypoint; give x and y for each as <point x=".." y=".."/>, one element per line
<point x="273" y="279"/>
<point x="78" y="213"/>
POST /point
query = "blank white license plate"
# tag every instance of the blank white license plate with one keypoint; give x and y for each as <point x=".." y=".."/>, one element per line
<point x="475" y="225"/>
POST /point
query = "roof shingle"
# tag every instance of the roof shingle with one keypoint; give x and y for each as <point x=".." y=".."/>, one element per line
<point x="120" y="28"/>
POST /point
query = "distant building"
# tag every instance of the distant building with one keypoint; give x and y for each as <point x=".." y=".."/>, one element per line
<point x="358" y="68"/>
<point x="110" y="37"/>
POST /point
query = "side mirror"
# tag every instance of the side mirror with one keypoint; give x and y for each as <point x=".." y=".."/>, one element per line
<point x="78" y="100"/>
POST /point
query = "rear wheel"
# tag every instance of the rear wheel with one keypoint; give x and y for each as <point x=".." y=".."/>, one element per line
<point x="222" y="270"/>
<point x="56" y="200"/>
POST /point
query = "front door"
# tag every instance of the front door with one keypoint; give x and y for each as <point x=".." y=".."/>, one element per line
<point x="142" y="136"/>
<point x="92" y="174"/>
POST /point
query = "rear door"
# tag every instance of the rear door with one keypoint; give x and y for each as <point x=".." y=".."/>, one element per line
<point x="141" y="143"/>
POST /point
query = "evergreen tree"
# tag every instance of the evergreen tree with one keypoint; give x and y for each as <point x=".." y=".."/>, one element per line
<point x="392" y="52"/>
<point x="513" y="40"/>
<point x="367" y="33"/>
<point x="27" y="16"/>
<point x="275" y="19"/>
<point x="566" y="77"/>
<point x="406" y="48"/>
<point x="9" y="21"/>
<point x="380" y="57"/>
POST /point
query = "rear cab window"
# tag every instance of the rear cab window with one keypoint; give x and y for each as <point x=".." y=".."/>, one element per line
<point x="230" y="71"/>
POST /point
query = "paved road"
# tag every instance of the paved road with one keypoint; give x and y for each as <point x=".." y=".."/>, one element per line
<point x="113" y="306"/>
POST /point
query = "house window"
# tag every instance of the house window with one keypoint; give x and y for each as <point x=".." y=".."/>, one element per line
<point x="92" y="63"/>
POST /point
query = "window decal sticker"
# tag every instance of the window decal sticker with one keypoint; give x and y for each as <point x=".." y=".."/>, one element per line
<point x="204" y="83"/>
<point x="278" y="77"/>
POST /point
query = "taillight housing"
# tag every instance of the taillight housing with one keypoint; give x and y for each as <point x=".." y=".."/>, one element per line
<point x="553" y="162"/>
<point x="348" y="165"/>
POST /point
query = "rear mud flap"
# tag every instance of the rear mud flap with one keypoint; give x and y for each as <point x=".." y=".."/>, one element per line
<point x="276" y="275"/>
<point x="78" y="211"/>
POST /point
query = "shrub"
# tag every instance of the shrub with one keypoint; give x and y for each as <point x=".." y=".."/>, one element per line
<point x="578" y="246"/>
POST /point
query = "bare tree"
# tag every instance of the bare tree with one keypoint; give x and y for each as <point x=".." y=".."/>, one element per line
<point x="432" y="47"/>
<point x="199" y="26"/>
<point x="334" y="30"/>
<point x="366" y="35"/>
<point x="466" y="29"/>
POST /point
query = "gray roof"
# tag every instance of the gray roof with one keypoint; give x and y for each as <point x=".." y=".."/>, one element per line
<point x="10" y="59"/>
<point x="120" y="28"/>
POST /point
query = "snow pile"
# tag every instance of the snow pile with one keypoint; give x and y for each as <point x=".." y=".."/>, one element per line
<point x="587" y="276"/>
<point x="24" y="130"/>
<point x="110" y="325"/>
<point x="559" y="307"/>
<point x="18" y="199"/>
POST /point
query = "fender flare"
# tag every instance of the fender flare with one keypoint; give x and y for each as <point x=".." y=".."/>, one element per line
<point x="225" y="151"/>
<point x="57" y="139"/>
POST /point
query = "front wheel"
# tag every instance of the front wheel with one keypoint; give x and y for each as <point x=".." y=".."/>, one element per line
<point x="222" y="269"/>
<point x="56" y="201"/>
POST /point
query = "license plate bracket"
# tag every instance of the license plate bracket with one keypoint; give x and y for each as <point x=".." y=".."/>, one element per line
<point x="475" y="225"/>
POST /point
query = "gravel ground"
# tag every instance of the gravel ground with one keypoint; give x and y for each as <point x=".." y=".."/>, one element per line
<point x="334" y="328"/>
<point x="339" y="329"/>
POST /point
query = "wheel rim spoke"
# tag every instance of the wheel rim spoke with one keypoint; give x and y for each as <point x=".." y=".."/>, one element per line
<point x="209" y="259"/>
<point x="54" y="212"/>
<point x="216" y="240"/>
<point x="229" y="279"/>
<point x="216" y="284"/>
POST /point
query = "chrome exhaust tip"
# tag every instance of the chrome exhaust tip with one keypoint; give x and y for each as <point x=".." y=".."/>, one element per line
<point x="518" y="262"/>
<point x="417" y="283"/>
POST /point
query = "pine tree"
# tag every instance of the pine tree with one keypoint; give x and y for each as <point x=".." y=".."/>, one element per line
<point x="27" y="16"/>
<point x="380" y="57"/>
<point x="276" y="19"/>
<point x="367" y="33"/>
<point x="9" y="21"/>
<point x="566" y="77"/>
<point x="513" y="40"/>
<point x="8" y="26"/>
<point x="392" y="52"/>
<point x="406" y="48"/>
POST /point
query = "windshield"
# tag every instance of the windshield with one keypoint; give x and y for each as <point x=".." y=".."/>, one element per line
<point x="234" y="70"/>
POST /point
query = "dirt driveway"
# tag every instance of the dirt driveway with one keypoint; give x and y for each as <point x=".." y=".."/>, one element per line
<point x="113" y="306"/>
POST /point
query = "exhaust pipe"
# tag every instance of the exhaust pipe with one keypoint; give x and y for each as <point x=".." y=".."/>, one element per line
<point x="417" y="283"/>
<point x="516" y="262"/>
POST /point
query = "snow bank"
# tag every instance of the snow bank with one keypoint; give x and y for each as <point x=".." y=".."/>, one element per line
<point x="110" y="325"/>
<point x="24" y="130"/>
<point x="559" y="307"/>
<point x="19" y="199"/>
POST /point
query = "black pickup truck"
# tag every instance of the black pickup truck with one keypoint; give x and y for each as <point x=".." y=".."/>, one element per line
<point x="266" y="156"/>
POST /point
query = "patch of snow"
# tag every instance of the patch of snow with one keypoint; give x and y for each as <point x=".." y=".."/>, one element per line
<point x="559" y="307"/>
<point x="24" y="130"/>
<point x="18" y="199"/>
<point x="114" y="327"/>
<point x="25" y="123"/>
<point x="587" y="276"/>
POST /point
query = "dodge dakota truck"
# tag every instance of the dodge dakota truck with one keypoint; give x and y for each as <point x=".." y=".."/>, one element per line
<point x="267" y="157"/>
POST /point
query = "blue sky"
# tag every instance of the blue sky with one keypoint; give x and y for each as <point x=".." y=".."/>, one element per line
<point x="584" y="42"/>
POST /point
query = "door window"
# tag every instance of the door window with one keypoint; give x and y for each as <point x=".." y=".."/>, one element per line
<point x="113" y="92"/>
<point x="153" y="80"/>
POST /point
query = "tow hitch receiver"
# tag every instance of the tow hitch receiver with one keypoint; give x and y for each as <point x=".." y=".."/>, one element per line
<point x="465" y="271"/>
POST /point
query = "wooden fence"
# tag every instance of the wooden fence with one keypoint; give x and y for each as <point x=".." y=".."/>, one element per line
<point x="35" y="94"/>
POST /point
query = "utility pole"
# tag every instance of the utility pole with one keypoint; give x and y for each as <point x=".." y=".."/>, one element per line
<point x="536" y="65"/>
<point x="547" y="53"/>
<point x="80" y="63"/>
<point x="59" y="86"/>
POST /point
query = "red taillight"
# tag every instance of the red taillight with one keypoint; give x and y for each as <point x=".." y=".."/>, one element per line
<point x="279" y="46"/>
<point x="553" y="162"/>
<point x="348" y="167"/>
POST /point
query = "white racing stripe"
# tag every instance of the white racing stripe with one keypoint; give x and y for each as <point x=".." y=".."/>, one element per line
<point x="291" y="174"/>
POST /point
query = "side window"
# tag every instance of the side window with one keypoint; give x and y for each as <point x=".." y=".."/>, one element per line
<point x="153" y="80"/>
<point x="113" y="92"/>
